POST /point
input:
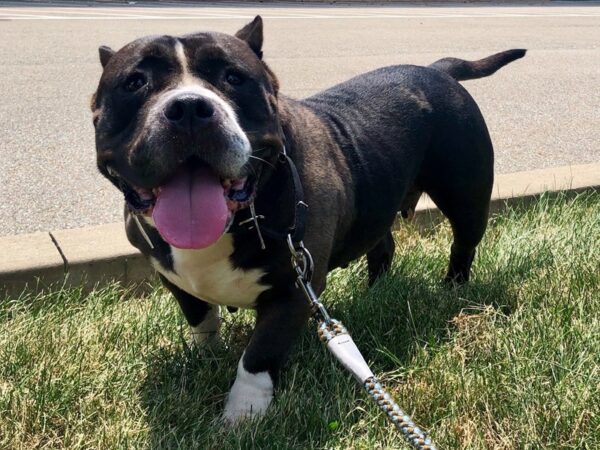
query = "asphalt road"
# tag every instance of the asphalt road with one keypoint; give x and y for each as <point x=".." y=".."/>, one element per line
<point x="542" y="111"/>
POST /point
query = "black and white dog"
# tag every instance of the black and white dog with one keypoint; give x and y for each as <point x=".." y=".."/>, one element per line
<point x="191" y="129"/>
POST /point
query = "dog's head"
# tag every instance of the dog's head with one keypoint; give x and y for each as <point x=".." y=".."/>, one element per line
<point x="177" y="122"/>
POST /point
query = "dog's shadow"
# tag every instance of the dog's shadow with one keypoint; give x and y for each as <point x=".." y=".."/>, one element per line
<point x="184" y="391"/>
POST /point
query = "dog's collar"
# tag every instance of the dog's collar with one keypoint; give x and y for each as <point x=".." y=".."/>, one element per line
<point x="248" y="220"/>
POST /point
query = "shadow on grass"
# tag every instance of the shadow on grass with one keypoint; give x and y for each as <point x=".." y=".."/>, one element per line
<point x="185" y="388"/>
<point x="184" y="392"/>
<point x="407" y="312"/>
<point x="400" y="314"/>
<point x="406" y="319"/>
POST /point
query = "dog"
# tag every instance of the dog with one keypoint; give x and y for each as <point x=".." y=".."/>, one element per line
<point x="193" y="131"/>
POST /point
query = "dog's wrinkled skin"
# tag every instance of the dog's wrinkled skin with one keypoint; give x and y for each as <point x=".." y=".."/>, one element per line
<point x="364" y="149"/>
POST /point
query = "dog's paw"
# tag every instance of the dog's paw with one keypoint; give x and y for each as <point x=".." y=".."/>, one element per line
<point x="204" y="339"/>
<point x="207" y="331"/>
<point x="249" y="397"/>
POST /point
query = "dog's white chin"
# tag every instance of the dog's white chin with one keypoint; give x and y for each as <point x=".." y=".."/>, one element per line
<point x="250" y="395"/>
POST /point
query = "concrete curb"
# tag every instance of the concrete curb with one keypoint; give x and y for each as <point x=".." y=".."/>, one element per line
<point x="90" y="256"/>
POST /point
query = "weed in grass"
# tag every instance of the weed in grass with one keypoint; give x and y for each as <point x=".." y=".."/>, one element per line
<point x="512" y="360"/>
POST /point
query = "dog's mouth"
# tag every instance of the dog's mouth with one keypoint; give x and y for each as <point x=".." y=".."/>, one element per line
<point x="194" y="208"/>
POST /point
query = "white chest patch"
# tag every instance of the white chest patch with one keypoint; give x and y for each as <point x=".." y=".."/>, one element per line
<point x="209" y="275"/>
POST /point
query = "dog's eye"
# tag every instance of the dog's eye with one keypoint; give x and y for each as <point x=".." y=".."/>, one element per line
<point x="234" y="78"/>
<point x="135" y="82"/>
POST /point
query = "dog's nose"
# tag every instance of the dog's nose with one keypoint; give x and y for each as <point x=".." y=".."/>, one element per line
<point x="189" y="112"/>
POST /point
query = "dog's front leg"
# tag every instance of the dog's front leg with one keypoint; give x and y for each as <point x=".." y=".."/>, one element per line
<point x="278" y="324"/>
<point x="202" y="317"/>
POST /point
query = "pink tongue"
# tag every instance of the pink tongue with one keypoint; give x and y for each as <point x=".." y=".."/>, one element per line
<point x="190" y="211"/>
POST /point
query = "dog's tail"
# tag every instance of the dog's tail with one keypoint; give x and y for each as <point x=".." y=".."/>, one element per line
<point x="460" y="70"/>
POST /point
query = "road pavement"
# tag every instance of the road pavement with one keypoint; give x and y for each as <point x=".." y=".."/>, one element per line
<point x="542" y="111"/>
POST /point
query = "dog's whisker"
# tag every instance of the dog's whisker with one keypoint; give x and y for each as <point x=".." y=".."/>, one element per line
<point x="262" y="160"/>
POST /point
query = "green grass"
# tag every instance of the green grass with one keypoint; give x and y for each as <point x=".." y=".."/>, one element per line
<point x="510" y="361"/>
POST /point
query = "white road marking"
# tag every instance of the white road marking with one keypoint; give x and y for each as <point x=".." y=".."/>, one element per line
<point x="190" y="17"/>
<point x="285" y="13"/>
<point x="25" y="17"/>
<point x="67" y="12"/>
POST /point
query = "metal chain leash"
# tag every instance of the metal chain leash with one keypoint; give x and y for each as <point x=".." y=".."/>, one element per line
<point x="339" y="342"/>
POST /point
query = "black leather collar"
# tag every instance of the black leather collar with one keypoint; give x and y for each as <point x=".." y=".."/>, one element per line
<point x="244" y="222"/>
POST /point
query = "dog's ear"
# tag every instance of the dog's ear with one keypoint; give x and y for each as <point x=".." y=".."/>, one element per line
<point x="252" y="33"/>
<point x="105" y="54"/>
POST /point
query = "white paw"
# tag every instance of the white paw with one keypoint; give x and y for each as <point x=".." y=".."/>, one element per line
<point x="208" y="329"/>
<point x="249" y="397"/>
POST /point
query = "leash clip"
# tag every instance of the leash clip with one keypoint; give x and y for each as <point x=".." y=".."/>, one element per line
<point x="303" y="265"/>
<point x="302" y="261"/>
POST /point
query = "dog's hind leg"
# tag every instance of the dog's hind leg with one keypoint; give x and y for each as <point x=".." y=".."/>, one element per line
<point x="458" y="175"/>
<point x="203" y="318"/>
<point x="468" y="214"/>
<point x="379" y="258"/>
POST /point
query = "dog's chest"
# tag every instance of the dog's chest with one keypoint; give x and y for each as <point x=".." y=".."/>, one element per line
<point x="209" y="275"/>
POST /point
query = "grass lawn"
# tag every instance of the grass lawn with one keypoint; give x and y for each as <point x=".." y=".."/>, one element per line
<point x="510" y="361"/>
